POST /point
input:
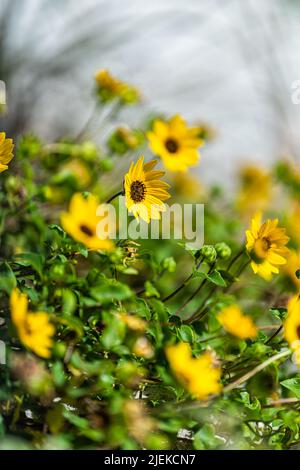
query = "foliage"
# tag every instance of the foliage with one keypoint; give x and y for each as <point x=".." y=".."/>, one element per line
<point x="108" y="382"/>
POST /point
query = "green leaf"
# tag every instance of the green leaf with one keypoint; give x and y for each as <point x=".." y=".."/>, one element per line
<point x="7" y="278"/>
<point x="58" y="374"/>
<point x="293" y="385"/>
<point x="206" y="438"/>
<point x="251" y="404"/>
<point x="109" y="291"/>
<point x="216" y="278"/>
<point x="34" y="260"/>
<point x="186" y="334"/>
<point x="150" y="290"/>
<point x="73" y="323"/>
<point x="160" y="309"/>
<point x="69" y="302"/>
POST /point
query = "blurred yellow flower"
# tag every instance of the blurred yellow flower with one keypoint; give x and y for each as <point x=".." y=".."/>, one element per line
<point x="176" y="143"/>
<point x="255" y="191"/>
<point x="79" y="171"/>
<point x="292" y="326"/>
<point x="144" y="192"/>
<point x="34" y="329"/>
<point x="266" y="246"/>
<point x="143" y="348"/>
<point x="187" y="186"/>
<point x="133" y="322"/>
<point x="109" y="88"/>
<point x="81" y="223"/>
<point x="293" y="226"/>
<point x="292" y="266"/>
<point x="239" y="325"/>
<point x="6" y="151"/>
<point x="200" y="376"/>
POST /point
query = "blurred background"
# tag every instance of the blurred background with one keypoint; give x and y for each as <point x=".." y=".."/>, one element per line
<point x="230" y="63"/>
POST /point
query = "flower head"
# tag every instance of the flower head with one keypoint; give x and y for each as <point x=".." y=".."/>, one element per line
<point x="239" y="325"/>
<point x="255" y="190"/>
<point x="81" y="222"/>
<point x="34" y="329"/>
<point x="176" y="143"/>
<point x="6" y="151"/>
<point x="200" y="376"/>
<point x="266" y="246"/>
<point x="292" y="267"/>
<point x="292" y="326"/>
<point x="144" y="192"/>
<point x="110" y="88"/>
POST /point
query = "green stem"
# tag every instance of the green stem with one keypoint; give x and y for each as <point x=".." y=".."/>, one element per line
<point x="256" y="370"/>
<point x="193" y="295"/>
<point x="235" y="258"/>
<point x="114" y="197"/>
<point x="182" y="285"/>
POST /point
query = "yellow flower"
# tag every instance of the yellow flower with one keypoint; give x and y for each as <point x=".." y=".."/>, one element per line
<point x="110" y="88"/>
<point x="239" y="325"/>
<point x="34" y="329"/>
<point x="133" y="322"/>
<point x="293" y="226"/>
<point x="187" y="186"/>
<point x="292" y="326"/>
<point x="144" y="192"/>
<point x="6" y="151"/>
<point x="292" y="266"/>
<point x="81" y="222"/>
<point x="255" y="190"/>
<point x="200" y="376"/>
<point x="266" y="246"/>
<point x="175" y="143"/>
<point x="78" y="170"/>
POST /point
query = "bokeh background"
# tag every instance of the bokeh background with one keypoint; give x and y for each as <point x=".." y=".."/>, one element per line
<point x="230" y="63"/>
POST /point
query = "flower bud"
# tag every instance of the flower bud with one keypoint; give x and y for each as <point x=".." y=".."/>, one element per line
<point x="209" y="253"/>
<point x="223" y="250"/>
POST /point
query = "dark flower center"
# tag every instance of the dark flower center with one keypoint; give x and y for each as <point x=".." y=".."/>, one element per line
<point x="298" y="331"/>
<point x="86" y="230"/>
<point x="171" y="145"/>
<point x="137" y="191"/>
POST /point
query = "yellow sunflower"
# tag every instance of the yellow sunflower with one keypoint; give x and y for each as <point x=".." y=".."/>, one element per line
<point x="81" y="222"/>
<point x="176" y="143"/>
<point x="239" y="325"/>
<point x="34" y="329"/>
<point x="266" y="246"/>
<point x="292" y="326"/>
<point x="6" y="151"/>
<point x="144" y="192"/>
<point x="200" y="376"/>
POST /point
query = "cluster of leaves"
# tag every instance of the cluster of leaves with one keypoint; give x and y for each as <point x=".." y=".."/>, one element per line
<point x="108" y="383"/>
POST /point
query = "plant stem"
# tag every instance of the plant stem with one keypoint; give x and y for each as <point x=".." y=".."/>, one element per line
<point x="114" y="197"/>
<point x="193" y="295"/>
<point x="274" y="334"/>
<point x="182" y="285"/>
<point x="256" y="370"/>
<point x="235" y="258"/>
